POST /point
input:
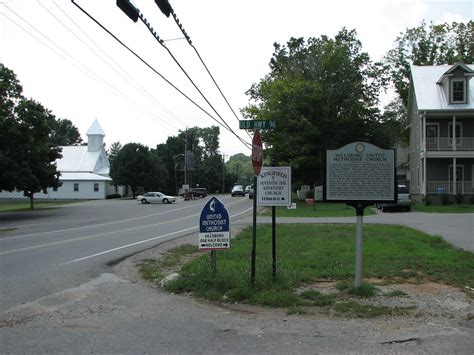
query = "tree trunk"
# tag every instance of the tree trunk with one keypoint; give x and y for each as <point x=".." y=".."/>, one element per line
<point x="31" y="201"/>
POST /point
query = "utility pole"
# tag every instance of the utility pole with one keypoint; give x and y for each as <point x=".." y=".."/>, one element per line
<point x="186" y="158"/>
<point x="223" y="173"/>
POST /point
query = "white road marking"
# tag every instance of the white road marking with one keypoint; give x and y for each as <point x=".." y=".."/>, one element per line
<point x="99" y="224"/>
<point x="143" y="241"/>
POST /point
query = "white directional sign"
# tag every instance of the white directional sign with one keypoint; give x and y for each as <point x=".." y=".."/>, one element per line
<point x="274" y="186"/>
<point x="214" y="226"/>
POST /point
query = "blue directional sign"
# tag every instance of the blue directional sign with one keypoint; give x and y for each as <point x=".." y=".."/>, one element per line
<point x="214" y="226"/>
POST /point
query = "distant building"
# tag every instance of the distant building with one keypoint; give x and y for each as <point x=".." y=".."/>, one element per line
<point x="441" y="121"/>
<point x="84" y="171"/>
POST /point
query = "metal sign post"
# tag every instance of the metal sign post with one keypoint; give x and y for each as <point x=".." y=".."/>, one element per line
<point x="360" y="174"/>
<point x="257" y="161"/>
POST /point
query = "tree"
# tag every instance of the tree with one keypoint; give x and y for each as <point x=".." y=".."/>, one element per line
<point x="27" y="154"/>
<point x="133" y="166"/>
<point x="10" y="95"/>
<point x="428" y="45"/>
<point x="37" y="153"/>
<point x="65" y="133"/>
<point x="322" y="93"/>
<point x="240" y="166"/>
<point x="112" y="154"/>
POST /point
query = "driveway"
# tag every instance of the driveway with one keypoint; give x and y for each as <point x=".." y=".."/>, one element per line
<point x="458" y="229"/>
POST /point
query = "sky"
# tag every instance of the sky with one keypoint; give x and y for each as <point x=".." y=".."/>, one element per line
<point x="75" y="69"/>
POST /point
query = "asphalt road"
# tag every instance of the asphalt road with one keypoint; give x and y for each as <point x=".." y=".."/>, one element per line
<point x="48" y="251"/>
<point x="62" y="297"/>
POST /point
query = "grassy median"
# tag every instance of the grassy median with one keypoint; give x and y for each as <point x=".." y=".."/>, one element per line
<point x="312" y="253"/>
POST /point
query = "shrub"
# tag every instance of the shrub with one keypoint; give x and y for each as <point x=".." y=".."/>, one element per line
<point x="471" y="200"/>
<point x="310" y="194"/>
<point x="458" y="198"/>
<point x="427" y="201"/>
<point x="444" y="199"/>
<point x="108" y="197"/>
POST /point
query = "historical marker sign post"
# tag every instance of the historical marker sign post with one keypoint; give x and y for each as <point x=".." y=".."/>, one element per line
<point x="360" y="174"/>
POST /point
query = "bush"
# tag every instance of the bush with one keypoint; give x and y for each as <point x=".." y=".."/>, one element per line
<point x="427" y="201"/>
<point x="444" y="199"/>
<point x="471" y="200"/>
<point x="108" y="197"/>
<point x="310" y="194"/>
<point x="458" y="198"/>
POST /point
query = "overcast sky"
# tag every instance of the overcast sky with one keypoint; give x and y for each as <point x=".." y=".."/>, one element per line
<point x="75" y="69"/>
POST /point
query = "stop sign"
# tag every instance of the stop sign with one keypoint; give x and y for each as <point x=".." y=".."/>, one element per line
<point x="257" y="153"/>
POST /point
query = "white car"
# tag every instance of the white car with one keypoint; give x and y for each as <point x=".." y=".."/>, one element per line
<point x="155" y="197"/>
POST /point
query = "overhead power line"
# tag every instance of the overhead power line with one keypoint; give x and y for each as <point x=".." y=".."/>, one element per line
<point x="167" y="9"/>
<point x="148" y="65"/>
<point x="123" y="73"/>
<point x="61" y="52"/>
<point x="161" y="42"/>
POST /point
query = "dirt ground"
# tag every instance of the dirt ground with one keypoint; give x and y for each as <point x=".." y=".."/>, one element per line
<point x="429" y="302"/>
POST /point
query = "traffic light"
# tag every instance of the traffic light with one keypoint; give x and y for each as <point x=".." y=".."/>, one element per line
<point x="129" y="9"/>
<point x="165" y="7"/>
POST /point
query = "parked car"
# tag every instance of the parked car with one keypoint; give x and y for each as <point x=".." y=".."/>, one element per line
<point x="238" y="190"/>
<point x="155" y="197"/>
<point x="403" y="200"/>
<point x="247" y="189"/>
<point x="251" y="192"/>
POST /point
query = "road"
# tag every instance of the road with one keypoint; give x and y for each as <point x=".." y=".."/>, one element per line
<point x="49" y="251"/>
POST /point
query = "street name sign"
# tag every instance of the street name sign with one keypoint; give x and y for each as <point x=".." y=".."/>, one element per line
<point x="274" y="186"/>
<point x="257" y="124"/>
<point x="360" y="172"/>
<point x="214" y="226"/>
<point x="257" y="153"/>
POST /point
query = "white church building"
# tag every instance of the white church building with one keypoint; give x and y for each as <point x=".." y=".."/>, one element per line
<point x="84" y="171"/>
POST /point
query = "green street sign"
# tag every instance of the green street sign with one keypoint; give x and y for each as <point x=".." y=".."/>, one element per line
<point x="257" y="124"/>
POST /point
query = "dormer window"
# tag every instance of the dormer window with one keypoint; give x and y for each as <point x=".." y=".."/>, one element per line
<point x="458" y="91"/>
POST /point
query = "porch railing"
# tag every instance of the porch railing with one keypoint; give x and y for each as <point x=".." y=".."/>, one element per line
<point x="464" y="143"/>
<point x="440" y="187"/>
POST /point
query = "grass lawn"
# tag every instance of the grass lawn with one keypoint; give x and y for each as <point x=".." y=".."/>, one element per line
<point x="320" y="209"/>
<point x="24" y="205"/>
<point x="310" y="253"/>
<point x="454" y="208"/>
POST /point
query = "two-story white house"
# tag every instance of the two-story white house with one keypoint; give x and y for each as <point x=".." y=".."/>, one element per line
<point x="441" y="122"/>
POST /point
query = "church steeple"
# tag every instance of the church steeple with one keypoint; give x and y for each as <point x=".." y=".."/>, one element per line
<point x="95" y="137"/>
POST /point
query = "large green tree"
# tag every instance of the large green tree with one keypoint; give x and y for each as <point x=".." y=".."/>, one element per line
<point x="27" y="152"/>
<point x="65" y="133"/>
<point x="429" y="45"/>
<point x="133" y="166"/>
<point x="322" y="93"/>
<point x="206" y="166"/>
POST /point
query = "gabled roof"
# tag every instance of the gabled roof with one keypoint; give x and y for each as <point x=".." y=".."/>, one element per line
<point x="77" y="159"/>
<point x="430" y="94"/>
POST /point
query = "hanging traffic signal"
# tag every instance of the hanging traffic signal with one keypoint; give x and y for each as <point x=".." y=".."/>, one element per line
<point x="165" y="7"/>
<point x="129" y="9"/>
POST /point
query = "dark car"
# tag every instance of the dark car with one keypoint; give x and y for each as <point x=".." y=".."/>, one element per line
<point x="403" y="200"/>
<point x="199" y="192"/>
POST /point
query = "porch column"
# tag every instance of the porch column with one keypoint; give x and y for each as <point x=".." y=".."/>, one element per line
<point x="454" y="175"/>
<point x="454" y="132"/>
<point x="423" y="149"/>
